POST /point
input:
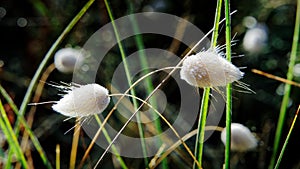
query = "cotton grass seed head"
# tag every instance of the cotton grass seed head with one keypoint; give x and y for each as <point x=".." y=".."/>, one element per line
<point x="241" y="138"/>
<point x="65" y="59"/>
<point x="209" y="69"/>
<point x="83" y="100"/>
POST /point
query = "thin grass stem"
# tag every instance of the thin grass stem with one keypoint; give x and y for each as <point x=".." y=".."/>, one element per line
<point x="128" y="76"/>
<point x="157" y="87"/>
<point x="164" y="119"/>
<point x="43" y="64"/>
<point x="287" y="139"/>
<point x="228" y="87"/>
<point x="201" y="126"/>
<point x="287" y="88"/>
<point x="57" y="160"/>
<point x="33" y="138"/>
<point x="74" y="145"/>
<point x="148" y="81"/>
<point x="205" y="99"/>
<point x="11" y="136"/>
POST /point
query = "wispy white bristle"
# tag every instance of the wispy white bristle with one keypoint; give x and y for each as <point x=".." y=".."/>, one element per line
<point x="83" y="101"/>
<point x="208" y="69"/>
<point x="241" y="138"/>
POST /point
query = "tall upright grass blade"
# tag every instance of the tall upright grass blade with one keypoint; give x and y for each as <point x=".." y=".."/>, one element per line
<point x="148" y="81"/>
<point x="128" y="76"/>
<point x="287" y="88"/>
<point x="205" y="98"/>
<point x="155" y="89"/>
<point x="228" y="87"/>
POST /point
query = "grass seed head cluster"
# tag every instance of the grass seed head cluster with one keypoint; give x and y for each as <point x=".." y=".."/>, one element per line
<point x="241" y="138"/>
<point x="209" y="69"/>
<point x="83" y="101"/>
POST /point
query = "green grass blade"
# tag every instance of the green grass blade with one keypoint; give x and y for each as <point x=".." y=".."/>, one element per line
<point x="128" y="76"/>
<point x="287" y="88"/>
<point x="33" y="138"/>
<point x="228" y="87"/>
<point x="47" y="57"/>
<point x="114" y="149"/>
<point x="201" y="126"/>
<point x="11" y="137"/>
<point x="148" y="81"/>
<point x="57" y="158"/>
<point x="287" y="139"/>
<point x="206" y="93"/>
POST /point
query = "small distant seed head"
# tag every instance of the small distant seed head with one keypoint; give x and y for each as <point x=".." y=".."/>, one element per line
<point x="255" y="39"/>
<point x="241" y="138"/>
<point x="65" y="59"/>
<point x="209" y="69"/>
<point x="83" y="101"/>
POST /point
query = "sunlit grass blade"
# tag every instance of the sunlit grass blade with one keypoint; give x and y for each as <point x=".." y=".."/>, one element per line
<point x="287" y="139"/>
<point x="57" y="159"/>
<point x="75" y="140"/>
<point x="11" y="137"/>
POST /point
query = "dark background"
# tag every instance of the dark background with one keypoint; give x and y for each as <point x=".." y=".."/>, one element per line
<point x="28" y="29"/>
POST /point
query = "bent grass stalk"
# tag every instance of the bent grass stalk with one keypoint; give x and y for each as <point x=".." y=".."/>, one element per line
<point x="113" y="109"/>
<point x="287" y="88"/>
<point x="128" y="76"/>
<point x="163" y="118"/>
<point x="158" y="86"/>
<point x="178" y="143"/>
<point x="205" y="99"/>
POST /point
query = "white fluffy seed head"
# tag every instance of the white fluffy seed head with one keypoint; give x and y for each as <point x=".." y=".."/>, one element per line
<point x="83" y="101"/>
<point x="209" y="69"/>
<point x="65" y="59"/>
<point x="255" y="39"/>
<point x="241" y="138"/>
